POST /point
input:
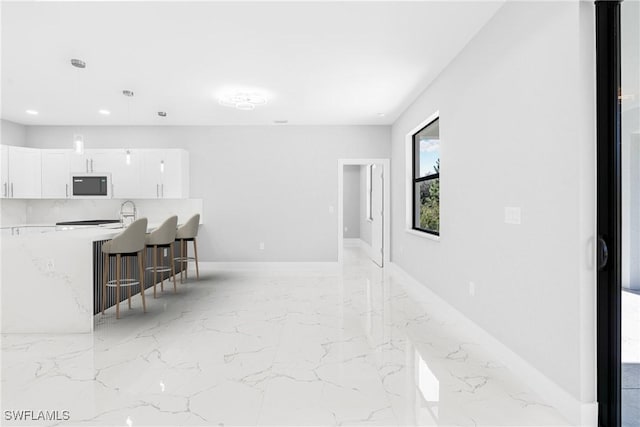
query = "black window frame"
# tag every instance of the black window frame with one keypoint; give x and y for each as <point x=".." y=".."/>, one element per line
<point x="417" y="180"/>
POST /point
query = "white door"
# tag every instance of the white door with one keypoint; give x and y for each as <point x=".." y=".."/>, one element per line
<point x="377" y="200"/>
<point x="55" y="174"/>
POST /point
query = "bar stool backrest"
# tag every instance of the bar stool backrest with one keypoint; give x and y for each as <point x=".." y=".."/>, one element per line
<point x="132" y="239"/>
<point x="164" y="234"/>
<point x="189" y="230"/>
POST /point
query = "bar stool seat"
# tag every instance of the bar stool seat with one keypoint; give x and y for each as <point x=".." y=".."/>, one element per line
<point x="187" y="233"/>
<point x="127" y="244"/>
<point x="160" y="238"/>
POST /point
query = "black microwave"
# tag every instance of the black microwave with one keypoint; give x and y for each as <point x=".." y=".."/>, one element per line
<point x="91" y="185"/>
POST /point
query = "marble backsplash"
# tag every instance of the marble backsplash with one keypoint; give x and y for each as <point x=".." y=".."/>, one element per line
<point x="18" y="212"/>
<point x="13" y="212"/>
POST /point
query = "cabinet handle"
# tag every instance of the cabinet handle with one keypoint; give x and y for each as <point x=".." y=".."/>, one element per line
<point x="5" y="190"/>
<point x="157" y="191"/>
<point x="112" y="193"/>
<point x="86" y="165"/>
<point x="66" y="190"/>
<point x="162" y="190"/>
<point x="91" y="165"/>
<point x="12" y="189"/>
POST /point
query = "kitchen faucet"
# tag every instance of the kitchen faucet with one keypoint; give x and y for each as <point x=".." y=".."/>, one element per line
<point x="127" y="217"/>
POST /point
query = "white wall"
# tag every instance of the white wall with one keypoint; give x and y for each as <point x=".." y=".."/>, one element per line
<point x="517" y="129"/>
<point x="351" y="202"/>
<point x="271" y="184"/>
<point x="12" y="133"/>
<point x="365" y="225"/>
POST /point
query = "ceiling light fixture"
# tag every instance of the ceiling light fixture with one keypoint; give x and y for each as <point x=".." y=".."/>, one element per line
<point x="104" y="112"/>
<point x="245" y="101"/>
<point x="31" y="112"/>
<point x="78" y="63"/>
<point x="162" y="113"/>
<point x="127" y="92"/>
<point x="380" y="114"/>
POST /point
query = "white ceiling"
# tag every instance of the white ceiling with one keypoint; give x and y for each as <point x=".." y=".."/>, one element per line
<point x="318" y="62"/>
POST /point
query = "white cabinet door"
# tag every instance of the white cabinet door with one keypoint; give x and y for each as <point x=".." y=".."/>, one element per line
<point x="103" y="161"/>
<point x="78" y="163"/>
<point x="165" y="174"/>
<point x="56" y="175"/>
<point x="4" y="171"/>
<point x="25" y="175"/>
<point x="151" y="177"/>
<point x="174" y="175"/>
<point x="124" y="166"/>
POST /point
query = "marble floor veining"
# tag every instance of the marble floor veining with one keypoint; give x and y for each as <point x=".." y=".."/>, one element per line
<point x="352" y="346"/>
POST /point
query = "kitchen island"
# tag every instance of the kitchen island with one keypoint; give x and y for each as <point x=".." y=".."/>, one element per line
<point x="51" y="280"/>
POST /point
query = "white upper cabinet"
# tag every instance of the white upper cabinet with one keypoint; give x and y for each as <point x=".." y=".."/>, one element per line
<point x="4" y="171"/>
<point x="91" y="161"/>
<point x="124" y="166"/>
<point x="31" y="173"/>
<point x="56" y="176"/>
<point x="165" y="174"/>
<point x="25" y="176"/>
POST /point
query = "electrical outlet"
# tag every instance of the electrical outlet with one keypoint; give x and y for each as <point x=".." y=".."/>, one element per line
<point x="472" y="289"/>
<point x="262" y="246"/>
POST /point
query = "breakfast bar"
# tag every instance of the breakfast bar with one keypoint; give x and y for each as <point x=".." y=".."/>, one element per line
<point x="51" y="281"/>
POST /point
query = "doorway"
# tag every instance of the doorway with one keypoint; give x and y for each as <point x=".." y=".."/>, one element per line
<point x="368" y="181"/>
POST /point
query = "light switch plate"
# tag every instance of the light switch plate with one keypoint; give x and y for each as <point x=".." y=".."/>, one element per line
<point x="512" y="215"/>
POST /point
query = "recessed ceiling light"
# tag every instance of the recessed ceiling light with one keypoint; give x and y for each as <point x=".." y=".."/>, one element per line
<point x="78" y="63"/>
<point x="162" y="113"/>
<point x="32" y="112"/>
<point x="380" y="114"/>
<point x="104" y="112"/>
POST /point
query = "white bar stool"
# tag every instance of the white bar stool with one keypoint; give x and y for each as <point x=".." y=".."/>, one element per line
<point x="187" y="233"/>
<point x="129" y="243"/>
<point x="163" y="237"/>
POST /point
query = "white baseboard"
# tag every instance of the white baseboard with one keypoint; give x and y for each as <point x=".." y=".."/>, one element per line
<point x="358" y="243"/>
<point x="575" y="411"/>
<point x="277" y="267"/>
<point x="351" y="243"/>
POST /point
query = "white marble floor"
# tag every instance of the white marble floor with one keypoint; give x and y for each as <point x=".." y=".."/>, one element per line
<point x="348" y="347"/>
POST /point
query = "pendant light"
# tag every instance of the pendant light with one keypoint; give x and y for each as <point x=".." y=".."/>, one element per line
<point x="78" y="140"/>
<point x="129" y="95"/>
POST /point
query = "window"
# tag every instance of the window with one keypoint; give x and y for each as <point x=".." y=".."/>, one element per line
<point x="369" y="190"/>
<point x="426" y="178"/>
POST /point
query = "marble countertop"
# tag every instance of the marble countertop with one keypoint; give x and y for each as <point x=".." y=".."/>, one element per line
<point x="97" y="232"/>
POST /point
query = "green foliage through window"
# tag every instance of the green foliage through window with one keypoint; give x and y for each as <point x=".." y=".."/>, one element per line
<point x="426" y="178"/>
